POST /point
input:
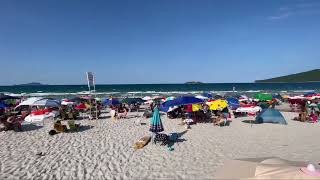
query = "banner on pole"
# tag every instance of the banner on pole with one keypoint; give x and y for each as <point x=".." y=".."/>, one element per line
<point x="90" y="79"/>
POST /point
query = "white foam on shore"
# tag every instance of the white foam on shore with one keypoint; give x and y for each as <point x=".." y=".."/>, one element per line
<point x="150" y="93"/>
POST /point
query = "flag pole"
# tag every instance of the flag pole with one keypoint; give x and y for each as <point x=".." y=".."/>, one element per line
<point x="88" y="79"/>
<point x="95" y="96"/>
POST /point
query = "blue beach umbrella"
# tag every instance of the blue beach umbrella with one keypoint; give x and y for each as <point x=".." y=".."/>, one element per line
<point x="4" y="97"/>
<point x="111" y="102"/>
<point x="233" y="103"/>
<point x="184" y="100"/>
<point x="2" y="105"/>
<point x="207" y="95"/>
<point x="156" y="124"/>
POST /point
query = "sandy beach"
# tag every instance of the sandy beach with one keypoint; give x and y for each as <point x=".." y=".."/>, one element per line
<point x="103" y="149"/>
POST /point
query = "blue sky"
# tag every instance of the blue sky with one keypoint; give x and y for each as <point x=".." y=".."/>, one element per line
<point x="164" y="41"/>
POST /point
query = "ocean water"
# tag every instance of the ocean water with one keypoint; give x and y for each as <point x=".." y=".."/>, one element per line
<point x="160" y="89"/>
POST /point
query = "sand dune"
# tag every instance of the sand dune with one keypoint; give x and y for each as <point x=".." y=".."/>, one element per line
<point x="103" y="149"/>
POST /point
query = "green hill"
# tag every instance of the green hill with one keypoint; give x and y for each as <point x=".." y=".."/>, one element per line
<point x="309" y="76"/>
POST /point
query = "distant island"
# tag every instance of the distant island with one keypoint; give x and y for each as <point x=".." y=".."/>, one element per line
<point x="308" y="76"/>
<point x="31" y="84"/>
<point x="194" y="82"/>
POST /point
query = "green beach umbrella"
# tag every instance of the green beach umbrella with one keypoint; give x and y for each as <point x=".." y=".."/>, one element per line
<point x="263" y="97"/>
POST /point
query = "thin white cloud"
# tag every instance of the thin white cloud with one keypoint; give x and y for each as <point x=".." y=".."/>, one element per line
<point x="280" y="16"/>
<point x="285" y="8"/>
<point x="305" y="5"/>
<point x="301" y="8"/>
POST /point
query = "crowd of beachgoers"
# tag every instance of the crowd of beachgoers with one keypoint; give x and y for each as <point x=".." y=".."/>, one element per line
<point x="130" y="123"/>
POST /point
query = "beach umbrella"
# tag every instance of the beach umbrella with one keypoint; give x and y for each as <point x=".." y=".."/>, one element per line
<point x="3" y="106"/>
<point x="207" y="95"/>
<point x="233" y="103"/>
<point x="67" y="102"/>
<point x="184" y="100"/>
<point x="46" y="102"/>
<point x="263" y="97"/>
<point x="156" y="124"/>
<point x="196" y="107"/>
<point x="111" y="102"/>
<point x="147" y="98"/>
<point x="217" y="97"/>
<point x="81" y="106"/>
<point x="98" y="99"/>
<point x="201" y="97"/>
<point x="132" y="100"/>
<point x="86" y="97"/>
<point x="312" y="105"/>
<point x="218" y="105"/>
<point x="78" y="100"/>
<point x="4" y="97"/>
<point x="266" y="168"/>
<point x="169" y="98"/>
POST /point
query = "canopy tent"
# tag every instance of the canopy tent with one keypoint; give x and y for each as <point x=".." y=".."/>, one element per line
<point x="217" y="105"/>
<point x="184" y="100"/>
<point x="263" y="168"/>
<point x="111" y="102"/>
<point x="233" y="103"/>
<point x="263" y="97"/>
<point x="271" y="116"/>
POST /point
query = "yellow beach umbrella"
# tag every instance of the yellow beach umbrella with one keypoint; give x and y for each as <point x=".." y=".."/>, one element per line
<point x="218" y="105"/>
<point x="285" y="97"/>
<point x="196" y="107"/>
<point x="88" y="106"/>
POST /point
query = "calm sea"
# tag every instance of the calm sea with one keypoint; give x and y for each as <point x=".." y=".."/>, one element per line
<point x="158" y="89"/>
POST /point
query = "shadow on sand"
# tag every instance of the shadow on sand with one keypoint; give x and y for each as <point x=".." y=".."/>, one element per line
<point x="82" y="128"/>
<point x="250" y="121"/>
<point x="177" y="139"/>
<point x="30" y="127"/>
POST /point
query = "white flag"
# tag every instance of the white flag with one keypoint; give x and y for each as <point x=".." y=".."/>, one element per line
<point x="90" y="79"/>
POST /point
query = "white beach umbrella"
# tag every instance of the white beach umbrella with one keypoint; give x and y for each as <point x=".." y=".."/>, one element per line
<point x="30" y="101"/>
<point x="147" y="98"/>
<point x="46" y="102"/>
<point x="202" y="97"/>
<point x="66" y="103"/>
